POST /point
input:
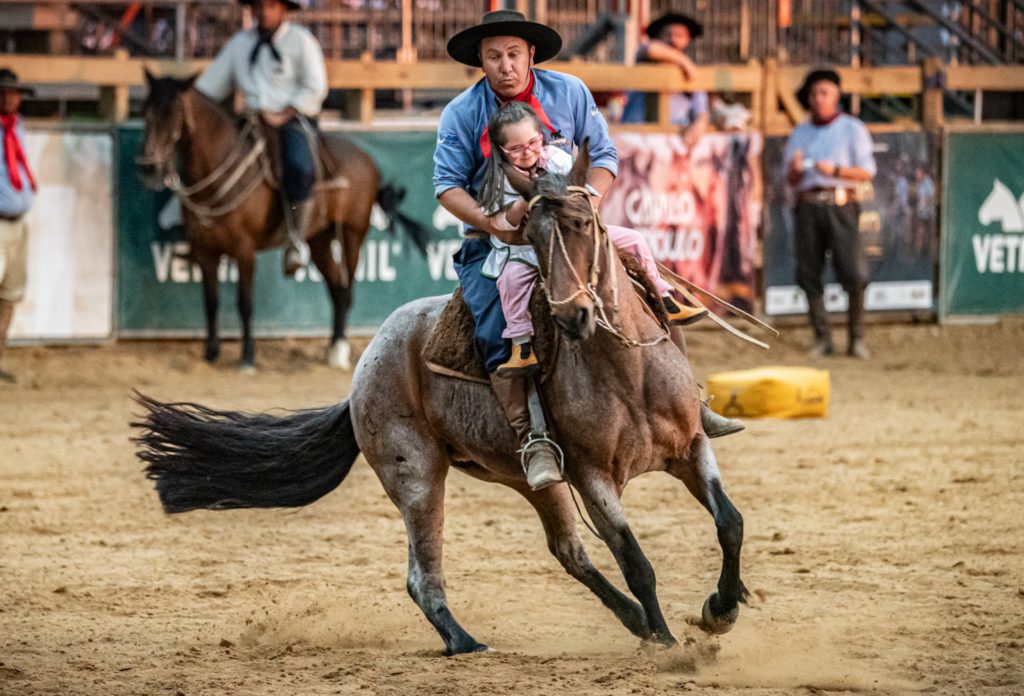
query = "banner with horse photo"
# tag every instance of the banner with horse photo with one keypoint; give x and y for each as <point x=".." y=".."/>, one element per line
<point x="159" y="290"/>
<point x="699" y="208"/>
<point x="898" y="226"/>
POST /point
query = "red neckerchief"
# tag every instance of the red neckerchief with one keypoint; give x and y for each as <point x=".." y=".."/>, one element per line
<point x="525" y="96"/>
<point x="825" y="121"/>
<point x="14" y="155"/>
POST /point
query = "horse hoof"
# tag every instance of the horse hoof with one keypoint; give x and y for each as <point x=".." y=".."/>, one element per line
<point x="339" y="355"/>
<point x="463" y="650"/>
<point x="247" y="368"/>
<point x="717" y="623"/>
<point x="211" y="355"/>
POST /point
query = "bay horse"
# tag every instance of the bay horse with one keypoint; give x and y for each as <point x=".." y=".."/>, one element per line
<point x="231" y="206"/>
<point x="413" y="426"/>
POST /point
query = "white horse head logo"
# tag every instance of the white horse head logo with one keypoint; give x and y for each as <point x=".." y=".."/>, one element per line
<point x="1003" y="207"/>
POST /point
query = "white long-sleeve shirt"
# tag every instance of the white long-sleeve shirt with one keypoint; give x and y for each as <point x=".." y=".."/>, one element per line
<point x="299" y="80"/>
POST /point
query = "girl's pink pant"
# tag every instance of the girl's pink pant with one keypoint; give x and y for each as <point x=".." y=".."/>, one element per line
<point x="517" y="280"/>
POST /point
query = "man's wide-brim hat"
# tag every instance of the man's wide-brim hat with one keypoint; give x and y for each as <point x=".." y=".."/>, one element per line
<point x="655" y="27"/>
<point x="8" y="80"/>
<point x="292" y="4"/>
<point x="817" y="75"/>
<point x="465" y="46"/>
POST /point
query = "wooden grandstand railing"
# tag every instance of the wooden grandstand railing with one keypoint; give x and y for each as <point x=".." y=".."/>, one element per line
<point x="767" y="88"/>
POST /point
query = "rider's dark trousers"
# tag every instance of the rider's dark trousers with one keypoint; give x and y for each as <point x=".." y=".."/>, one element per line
<point x="480" y="294"/>
<point x="298" y="170"/>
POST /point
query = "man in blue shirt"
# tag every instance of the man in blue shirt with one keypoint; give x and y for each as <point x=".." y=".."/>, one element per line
<point x="17" y="190"/>
<point x="507" y="46"/>
<point x="825" y="159"/>
<point x="668" y="38"/>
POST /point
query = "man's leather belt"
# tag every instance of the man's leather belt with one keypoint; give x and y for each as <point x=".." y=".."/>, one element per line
<point x="827" y="196"/>
<point x="10" y="218"/>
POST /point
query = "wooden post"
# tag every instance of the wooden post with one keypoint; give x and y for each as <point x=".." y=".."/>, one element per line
<point x="664" y="112"/>
<point x="744" y="29"/>
<point x="933" y="82"/>
<point x="407" y="53"/>
<point x="114" y="98"/>
<point x="769" y="98"/>
<point x="180" y="29"/>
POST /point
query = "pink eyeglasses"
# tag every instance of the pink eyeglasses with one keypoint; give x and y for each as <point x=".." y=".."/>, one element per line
<point x="533" y="144"/>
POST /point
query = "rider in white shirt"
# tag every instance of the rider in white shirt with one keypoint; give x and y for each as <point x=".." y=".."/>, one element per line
<point x="279" y="68"/>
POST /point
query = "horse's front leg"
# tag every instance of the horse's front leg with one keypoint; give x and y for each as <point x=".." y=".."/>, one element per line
<point x="246" y="271"/>
<point x="603" y="501"/>
<point x="207" y="263"/>
<point x="699" y="471"/>
<point x="554" y="506"/>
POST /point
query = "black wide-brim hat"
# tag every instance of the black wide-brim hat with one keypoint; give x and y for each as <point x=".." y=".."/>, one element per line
<point x="655" y="27"/>
<point x="817" y="75"/>
<point x="465" y="46"/>
<point x="9" y="80"/>
<point x="292" y="4"/>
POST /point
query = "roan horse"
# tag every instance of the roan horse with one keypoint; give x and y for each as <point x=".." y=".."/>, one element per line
<point x="232" y="208"/>
<point x="413" y="425"/>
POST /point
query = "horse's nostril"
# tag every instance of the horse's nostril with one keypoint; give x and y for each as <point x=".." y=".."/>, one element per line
<point x="582" y="316"/>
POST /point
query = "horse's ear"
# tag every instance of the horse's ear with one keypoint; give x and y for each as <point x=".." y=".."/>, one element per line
<point x="150" y="78"/>
<point x="522" y="183"/>
<point x="581" y="167"/>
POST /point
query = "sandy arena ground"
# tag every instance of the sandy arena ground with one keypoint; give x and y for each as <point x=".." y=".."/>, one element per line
<point x="886" y="544"/>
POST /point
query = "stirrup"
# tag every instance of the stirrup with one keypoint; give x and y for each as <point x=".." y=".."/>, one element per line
<point x="535" y="439"/>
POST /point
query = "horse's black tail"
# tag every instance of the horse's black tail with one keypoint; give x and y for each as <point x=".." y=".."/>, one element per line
<point x="201" y="458"/>
<point x="389" y="197"/>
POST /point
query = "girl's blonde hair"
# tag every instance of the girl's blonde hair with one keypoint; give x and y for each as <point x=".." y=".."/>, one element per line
<point x="492" y="192"/>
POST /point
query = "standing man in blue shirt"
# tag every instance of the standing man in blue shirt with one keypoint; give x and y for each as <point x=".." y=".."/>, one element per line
<point x="668" y="38"/>
<point x="279" y="68"/>
<point x="825" y="159"/>
<point x="17" y="190"/>
<point x="507" y="46"/>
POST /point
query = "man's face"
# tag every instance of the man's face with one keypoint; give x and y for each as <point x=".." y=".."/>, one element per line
<point x="10" y="101"/>
<point x="677" y="36"/>
<point x="270" y="13"/>
<point x="823" y="98"/>
<point x="506" y="62"/>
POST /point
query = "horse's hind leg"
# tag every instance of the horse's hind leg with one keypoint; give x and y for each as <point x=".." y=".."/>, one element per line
<point x="602" y="500"/>
<point x="558" y="516"/>
<point x="412" y="468"/>
<point x="701" y="475"/>
<point x="339" y="281"/>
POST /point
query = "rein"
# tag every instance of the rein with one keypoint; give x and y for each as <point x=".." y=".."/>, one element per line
<point x="601" y="238"/>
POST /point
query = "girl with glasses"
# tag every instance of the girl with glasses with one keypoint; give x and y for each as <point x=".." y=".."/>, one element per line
<point x="516" y="136"/>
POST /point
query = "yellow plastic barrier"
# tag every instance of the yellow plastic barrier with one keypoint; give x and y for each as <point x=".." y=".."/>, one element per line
<point x="770" y="392"/>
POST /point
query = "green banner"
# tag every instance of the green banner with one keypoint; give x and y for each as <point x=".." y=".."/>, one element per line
<point x="982" y="269"/>
<point x="158" y="293"/>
